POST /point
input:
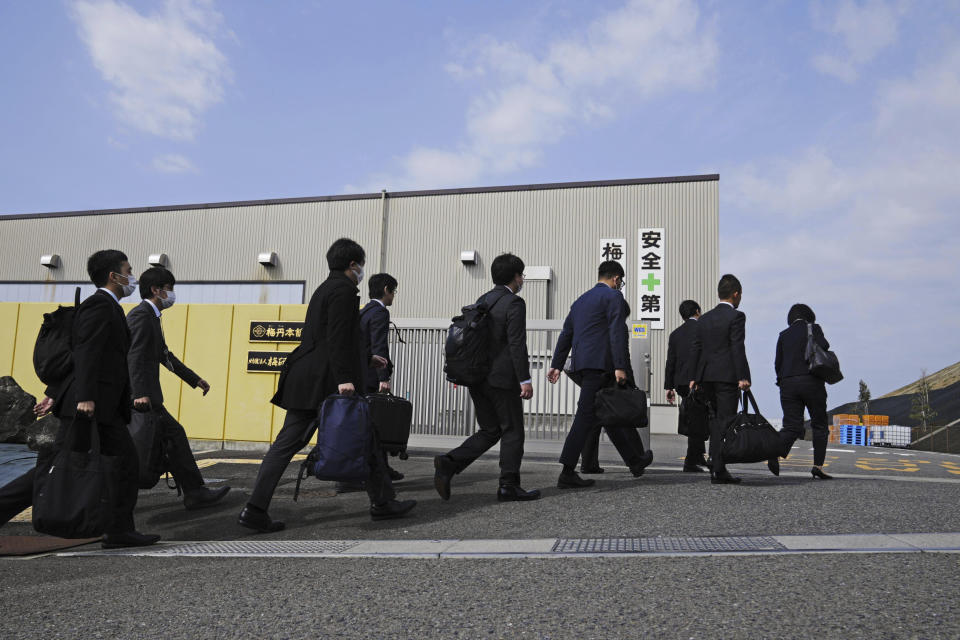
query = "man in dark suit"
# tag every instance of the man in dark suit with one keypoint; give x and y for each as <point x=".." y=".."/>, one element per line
<point x="676" y="378"/>
<point x="718" y="363"/>
<point x="329" y="360"/>
<point x="596" y="330"/>
<point x="148" y="350"/>
<point x="375" y="326"/>
<point x="498" y="401"/>
<point x="96" y="393"/>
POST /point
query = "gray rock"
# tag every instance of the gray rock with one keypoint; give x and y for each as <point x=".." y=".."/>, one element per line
<point x="42" y="433"/>
<point x="16" y="411"/>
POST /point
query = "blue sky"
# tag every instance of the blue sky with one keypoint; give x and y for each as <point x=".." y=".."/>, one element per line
<point x="833" y="126"/>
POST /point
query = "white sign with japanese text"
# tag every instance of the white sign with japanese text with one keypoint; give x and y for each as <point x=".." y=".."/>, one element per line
<point x="614" y="249"/>
<point x="649" y="306"/>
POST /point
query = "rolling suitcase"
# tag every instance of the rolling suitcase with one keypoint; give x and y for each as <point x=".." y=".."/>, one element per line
<point x="391" y="417"/>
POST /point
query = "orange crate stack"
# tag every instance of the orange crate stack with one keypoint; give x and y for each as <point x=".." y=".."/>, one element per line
<point x="846" y="418"/>
<point x="876" y="420"/>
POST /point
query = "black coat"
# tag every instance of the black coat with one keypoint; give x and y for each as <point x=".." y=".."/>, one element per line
<point x="331" y="352"/>
<point x="718" y="353"/>
<point x="510" y="363"/>
<point x="100" y="344"/>
<point x="375" y="326"/>
<point x="676" y="374"/>
<point x="791" y="357"/>
<point x="148" y="350"/>
<point x="596" y="330"/>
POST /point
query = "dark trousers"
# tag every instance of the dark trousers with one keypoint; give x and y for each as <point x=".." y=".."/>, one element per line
<point x="723" y="398"/>
<point x="294" y="435"/>
<point x="696" y="447"/>
<point x="627" y="441"/>
<point x="796" y="394"/>
<point x="180" y="461"/>
<point x="114" y="441"/>
<point x="374" y="387"/>
<point x="500" y="418"/>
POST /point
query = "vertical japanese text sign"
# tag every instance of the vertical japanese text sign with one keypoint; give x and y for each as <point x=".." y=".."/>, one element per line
<point x="614" y="249"/>
<point x="650" y="260"/>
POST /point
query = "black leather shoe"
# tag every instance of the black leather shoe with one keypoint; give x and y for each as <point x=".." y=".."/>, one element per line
<point x="723" y="478"/>
<point x="645" y="460"/>
<point x="129" y="539"/>
<point x="591" y="470"/>
<point x="391" y="509"/>
<point x="259" y="521"/>
<point x="820" y="474"/>
<point x="394" y="474"/>
<point x="572" y="481"/>
<point x="774" y="465"/>
<point x="442" y="476"/>
<point x="516" y="494"/>
<point x="203" y="497"/>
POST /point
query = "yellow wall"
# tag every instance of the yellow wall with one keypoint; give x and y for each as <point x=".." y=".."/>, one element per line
<point x="213" y="340"/>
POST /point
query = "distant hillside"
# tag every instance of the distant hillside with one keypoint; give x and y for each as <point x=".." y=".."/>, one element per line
<point x="939" y="380"/>
<point x="944" y="400"/>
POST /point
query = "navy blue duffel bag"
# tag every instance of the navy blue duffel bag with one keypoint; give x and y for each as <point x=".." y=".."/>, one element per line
<point x="344" y="441"/>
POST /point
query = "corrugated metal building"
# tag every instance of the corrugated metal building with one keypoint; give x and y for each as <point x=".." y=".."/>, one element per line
<point x="417" y="236"/>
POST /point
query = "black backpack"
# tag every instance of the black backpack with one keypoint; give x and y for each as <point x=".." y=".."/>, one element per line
<point x="52" y="353"/>
<point x="468" y="345"/>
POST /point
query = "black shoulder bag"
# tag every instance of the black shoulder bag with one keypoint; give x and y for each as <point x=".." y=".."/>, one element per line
<point x="823" y="363"/>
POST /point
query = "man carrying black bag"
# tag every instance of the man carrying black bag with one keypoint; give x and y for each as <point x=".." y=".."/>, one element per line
<point x="330" y="359"/>
<point x="676" y="381"/>
<point x="95" y="395"/>
<point x="596" y="330"/>
<point x="148" y="350"/>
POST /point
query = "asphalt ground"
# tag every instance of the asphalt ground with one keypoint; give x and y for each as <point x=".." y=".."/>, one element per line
<point x="785" y="596"/>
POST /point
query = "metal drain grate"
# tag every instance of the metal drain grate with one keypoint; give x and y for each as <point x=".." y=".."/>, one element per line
<point x="666" y="545"/>
<point x="239" y="548"/>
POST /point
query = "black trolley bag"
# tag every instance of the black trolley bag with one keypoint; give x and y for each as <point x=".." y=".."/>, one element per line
<point x="391" y="416"/>
<point x="748" y="437"/>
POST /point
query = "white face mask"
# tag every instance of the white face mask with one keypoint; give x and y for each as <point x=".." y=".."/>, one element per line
<point x="359" y="273"/>
<point x="131" y="285"/>
<point x="166" y="303"/>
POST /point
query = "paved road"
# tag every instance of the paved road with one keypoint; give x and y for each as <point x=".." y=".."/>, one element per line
<point x="787" y="596"/>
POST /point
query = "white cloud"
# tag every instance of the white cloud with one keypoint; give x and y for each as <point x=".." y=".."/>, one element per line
<point x="165" y="69"/>
<point x="865" y="30"/>
<point x="527" y="100"/>
<point x="866" y="238"/>
<point x="173" y="163"/>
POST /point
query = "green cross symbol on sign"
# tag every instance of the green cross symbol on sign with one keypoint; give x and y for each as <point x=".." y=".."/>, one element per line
<point x="650" y="282"/>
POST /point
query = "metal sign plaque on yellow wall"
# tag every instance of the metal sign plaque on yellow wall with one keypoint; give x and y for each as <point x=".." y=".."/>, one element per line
<point x="275" y="331"/>
<point x="265" y="361"/>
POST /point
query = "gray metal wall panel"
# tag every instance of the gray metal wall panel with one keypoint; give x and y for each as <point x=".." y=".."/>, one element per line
<point x="559" y="228"/>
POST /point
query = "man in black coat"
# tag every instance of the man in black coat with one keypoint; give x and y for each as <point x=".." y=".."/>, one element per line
<point x="96" y="393"/>
<point x="498" y="400"/>
<point x="718" y="364"/>
<point x="329" y="360"/>
<point x="596" y="330"/>
<point x="148" y="350"/>
<point x="676" y="379"/>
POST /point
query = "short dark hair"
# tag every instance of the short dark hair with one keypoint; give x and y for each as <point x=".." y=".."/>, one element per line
<point x="610" y="269"/>
<point x="801" y="311"/>
<point x="379" y="282"/>
<point x="505" y="267"/>
<point x="728" y="286"/>
<point x="688" y="309"/>
<point x="155" y="277"/>
<point x="344" y="251"/>
<point x="104" y="262"/>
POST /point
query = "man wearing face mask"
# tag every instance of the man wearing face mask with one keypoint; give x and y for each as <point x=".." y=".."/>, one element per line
<point x="331" y="359"/>
<point x="596" y="330"/>
<point x="148" y="350"/>
<point x="96" y="394"/>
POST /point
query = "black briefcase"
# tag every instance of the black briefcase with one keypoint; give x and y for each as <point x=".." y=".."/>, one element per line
<point x="391" y="417"/>
<point x="147" y="438"/>
<point x="621" y="407"/>
<point x="694" y="419"/>
<point x="72" y="489"/>
<point x="748" y="437"/>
